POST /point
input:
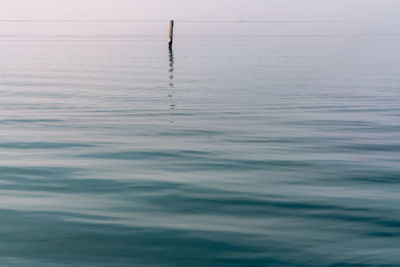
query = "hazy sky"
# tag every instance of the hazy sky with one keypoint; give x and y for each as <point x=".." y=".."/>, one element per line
<point x="379" y="15"/>
<point x="199" y="9"/>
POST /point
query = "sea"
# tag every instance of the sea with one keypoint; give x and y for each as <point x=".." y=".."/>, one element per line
<point x="227" y="150"/>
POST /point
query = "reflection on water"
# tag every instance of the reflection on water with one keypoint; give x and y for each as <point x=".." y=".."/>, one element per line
<point x="284" y="151"/>
<point x="171" y="78"/>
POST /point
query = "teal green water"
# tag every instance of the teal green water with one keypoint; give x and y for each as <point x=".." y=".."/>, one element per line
<point x="234" y="151"/>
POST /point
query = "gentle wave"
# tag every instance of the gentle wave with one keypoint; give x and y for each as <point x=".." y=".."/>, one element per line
<point x="220" y="154"/>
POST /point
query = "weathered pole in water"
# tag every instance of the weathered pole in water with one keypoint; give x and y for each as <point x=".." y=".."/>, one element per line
<point x="171" y="34"/>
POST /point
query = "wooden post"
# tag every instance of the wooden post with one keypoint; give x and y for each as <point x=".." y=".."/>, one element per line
<point x="171" y="34"/>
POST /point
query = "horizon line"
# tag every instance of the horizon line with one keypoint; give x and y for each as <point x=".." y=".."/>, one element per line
<point x="167" y="20"/>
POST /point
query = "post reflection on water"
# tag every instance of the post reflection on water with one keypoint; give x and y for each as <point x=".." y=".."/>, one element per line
<point x="171" y="80"/>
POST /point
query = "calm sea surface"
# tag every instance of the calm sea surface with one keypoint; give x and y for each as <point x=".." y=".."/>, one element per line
<point x="227" y="151"/>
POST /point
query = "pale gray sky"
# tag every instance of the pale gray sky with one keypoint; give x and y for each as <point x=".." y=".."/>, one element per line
<point x="196" y="9"/>
<point x="368" y="15"/>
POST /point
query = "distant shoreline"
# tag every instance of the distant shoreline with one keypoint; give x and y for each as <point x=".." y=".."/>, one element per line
<point x="181" y="21"/>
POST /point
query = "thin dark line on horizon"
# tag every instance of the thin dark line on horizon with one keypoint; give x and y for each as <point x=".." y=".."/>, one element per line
<point x="162" y="21"/>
